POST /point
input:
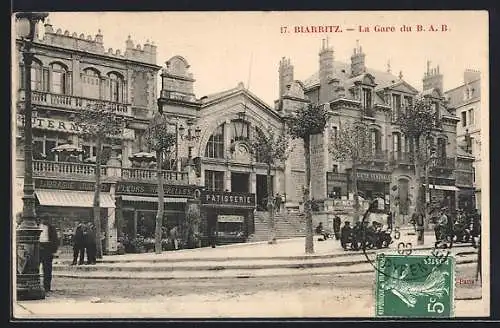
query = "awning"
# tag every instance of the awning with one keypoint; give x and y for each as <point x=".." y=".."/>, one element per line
<point x="245" y="207"/>
<point x="72" y="198"/>
<point x="153" y="199"/>
<point x="439" y="187"/>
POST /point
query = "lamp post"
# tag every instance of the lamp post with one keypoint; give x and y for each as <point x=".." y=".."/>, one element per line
<point x="28" y="285"/>
<point x="422" y="226"/>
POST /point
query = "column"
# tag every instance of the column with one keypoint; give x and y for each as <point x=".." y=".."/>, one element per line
<point x="76" y="81"/>
<point x="227" y="138"/>
<point x="253" y="182"/>
<point x="227" y="180"/>
<point x="135" y="223"/>
<point x="111" y="232"/>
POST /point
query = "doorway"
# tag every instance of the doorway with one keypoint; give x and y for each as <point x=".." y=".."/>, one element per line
<point x="262" y="191"/>
<point x="240" y="182"/>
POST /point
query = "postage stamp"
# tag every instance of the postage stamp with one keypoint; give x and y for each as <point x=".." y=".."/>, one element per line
<point x="414" y="286"/>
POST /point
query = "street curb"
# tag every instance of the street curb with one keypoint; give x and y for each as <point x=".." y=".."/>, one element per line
<point x="254" y="258"/>
<point x="187" y="277"/>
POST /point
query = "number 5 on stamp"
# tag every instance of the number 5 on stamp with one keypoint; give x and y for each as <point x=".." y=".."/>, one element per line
<point x="414" y="286"/>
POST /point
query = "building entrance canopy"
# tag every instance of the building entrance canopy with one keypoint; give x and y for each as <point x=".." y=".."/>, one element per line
<point x="72" y="198"/>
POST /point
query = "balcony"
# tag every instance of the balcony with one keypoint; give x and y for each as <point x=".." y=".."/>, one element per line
<point x="444" y="163"/>
<point x="50" y="169"/>
<point x="141" y="174"/>
<point x="76" y="103"/>
<point x="401" y="158"/>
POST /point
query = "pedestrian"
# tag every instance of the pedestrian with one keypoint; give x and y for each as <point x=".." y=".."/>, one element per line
<point x="213" y="236"/>
<point x="389" y="221"/>
<point x="78" y="245"/>
<point x="336" y="227"/>
<point x="90" y="243"/>
<point x="48" y="247"/>
<point x="345" y="235"/>
<point x="277" y="201"/>
<point x="441" y="228"/>
<point x="174" y="236"/>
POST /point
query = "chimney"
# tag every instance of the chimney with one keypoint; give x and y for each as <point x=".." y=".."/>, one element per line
<point x="471" y="75"/>
<point x="325" y="72"/>
<point x="433" y="79"/>
<point x="358" y="61"/>
<point x="285" y="75"/>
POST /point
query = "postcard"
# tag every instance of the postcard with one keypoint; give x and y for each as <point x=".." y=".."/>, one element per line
<point x="250" y="165"/>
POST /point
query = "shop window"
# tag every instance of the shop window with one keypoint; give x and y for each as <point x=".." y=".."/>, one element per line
<point x="215" y="145"/>
<point x="214" y="180"/>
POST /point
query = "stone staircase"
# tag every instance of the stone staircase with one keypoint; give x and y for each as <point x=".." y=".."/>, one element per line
<point x="288" y="225"/>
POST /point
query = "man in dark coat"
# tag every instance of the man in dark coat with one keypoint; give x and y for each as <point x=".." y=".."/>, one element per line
<point x="336" y="227"/>
<point x="90" y="243"/>
<point x="49" y="243"/>
<point x="345" y="234"/>
<point x="78" y="245"/>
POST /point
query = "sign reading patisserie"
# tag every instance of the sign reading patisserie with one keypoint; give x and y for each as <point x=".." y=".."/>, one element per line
<point x="227" y="198"/>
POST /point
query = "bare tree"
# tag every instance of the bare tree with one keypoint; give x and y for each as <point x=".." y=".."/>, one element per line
<point x="352" y="143"/>
<point x="270" y="148"/>
<point x="417" y="121"/>
<point x="161" y="140"/>
<point x="302" y="124"/>
<point x="98" y="123"/>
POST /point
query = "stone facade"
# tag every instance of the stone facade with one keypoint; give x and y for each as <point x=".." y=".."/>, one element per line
<point x="465" y="102"/>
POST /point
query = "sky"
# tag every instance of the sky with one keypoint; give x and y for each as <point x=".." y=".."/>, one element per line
<point x="225" y="48"/>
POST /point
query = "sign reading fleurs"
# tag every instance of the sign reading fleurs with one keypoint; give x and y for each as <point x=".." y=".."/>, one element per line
<point x="228" y="198"/>
<point x="149" y="189"/>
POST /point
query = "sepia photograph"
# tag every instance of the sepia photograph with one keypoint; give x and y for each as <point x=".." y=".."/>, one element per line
<point x="301" y="164"/>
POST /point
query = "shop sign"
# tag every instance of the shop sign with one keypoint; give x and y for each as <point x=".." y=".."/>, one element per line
<point x="51" y="124"/>
<point x="372" y="176"/>
<point x="231" y="218"/>
<point x="149" y="189"/>
<point x="228" y="198"/>
<point x="69" y="185"/>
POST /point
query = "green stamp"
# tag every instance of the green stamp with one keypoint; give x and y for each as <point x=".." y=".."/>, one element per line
<point x="414" y="286"/>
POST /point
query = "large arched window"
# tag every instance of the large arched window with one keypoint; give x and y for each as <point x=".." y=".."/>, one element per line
<point x="215" y="145"/>
<point x="59" y="79"/>
<point x="116" y="87"/>
<point x="91" y="83"/>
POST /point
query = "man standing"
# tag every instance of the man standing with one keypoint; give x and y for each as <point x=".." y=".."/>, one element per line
<point x="78" y="245"/>
<point x="48" y="247"/>
<point x="277" y="202"/>
<point x="336" y="227"/>
<point x="90" y="243"/>
<point x="441" y="228"/>
<point x="345" y="235"/>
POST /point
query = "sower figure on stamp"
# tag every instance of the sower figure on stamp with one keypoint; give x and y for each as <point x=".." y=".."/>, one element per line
<point x="78" y="245"/>
<point x="48" y="247"/>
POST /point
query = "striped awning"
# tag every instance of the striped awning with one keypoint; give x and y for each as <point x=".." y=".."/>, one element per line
<point x="131" y="198"/>
<point x="72" y="198"/>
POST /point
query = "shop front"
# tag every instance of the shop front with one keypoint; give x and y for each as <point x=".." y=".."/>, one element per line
<point x="226" y="216"/>
<point x="137" y="205"/>
<point x="371" y="184"/>
<point x="70" y="202"/>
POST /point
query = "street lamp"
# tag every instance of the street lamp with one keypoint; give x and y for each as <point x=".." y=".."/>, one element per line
<point x="28" y="285"/>
<point x="429" y="161"/>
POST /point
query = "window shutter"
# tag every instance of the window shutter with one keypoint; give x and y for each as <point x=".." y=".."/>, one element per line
<point x="67" y="83"/>
<point x="22" y="77"/>
<point x="45" y="79"/>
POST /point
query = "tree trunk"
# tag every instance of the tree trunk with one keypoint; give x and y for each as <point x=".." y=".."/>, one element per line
<point x="307" y="199"/>
<point x="270" y="207"/>
<point x="161" y="199"/>
<point x="355" y="190"/>
<point x="420" y="197"/>
<point x="97" y="198"/>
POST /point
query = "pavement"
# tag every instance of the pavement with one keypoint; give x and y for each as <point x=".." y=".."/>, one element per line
<point x="259" y="259"/>
<point x="297" y="303"/>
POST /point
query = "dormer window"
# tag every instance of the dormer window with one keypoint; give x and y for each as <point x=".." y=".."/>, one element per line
<point x="367" y="98"/>
<point x="396" y="107"/>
